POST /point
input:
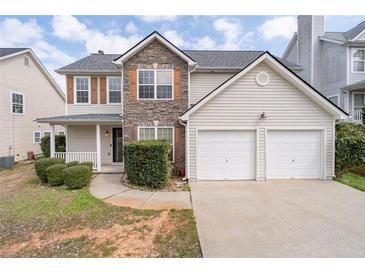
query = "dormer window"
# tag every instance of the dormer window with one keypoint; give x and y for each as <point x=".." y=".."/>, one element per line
<point x="155" y="84"/>
<point x="358" y="60"/>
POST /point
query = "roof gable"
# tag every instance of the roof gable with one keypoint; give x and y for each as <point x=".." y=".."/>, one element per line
<point x="282" y="70"/>
<point x="153" y="36"/>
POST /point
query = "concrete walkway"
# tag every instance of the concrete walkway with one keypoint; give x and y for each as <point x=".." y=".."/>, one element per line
<point x="108" y="187"/>
<point x="279" y="219"/>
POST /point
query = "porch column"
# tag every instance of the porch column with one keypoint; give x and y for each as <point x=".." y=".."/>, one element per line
<point x="52" y="142"/>
<point x="98" y="148"/>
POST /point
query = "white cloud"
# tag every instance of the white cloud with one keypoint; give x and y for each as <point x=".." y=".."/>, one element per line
<point x="174" y="37"/>
<point x="158" y="18"/>
<point x="15" y="33"/>
<point x="131" y="28"/>
<point x="205" y="43"/>
<point x="69" y="28"/>
<point x="278" y="27"/>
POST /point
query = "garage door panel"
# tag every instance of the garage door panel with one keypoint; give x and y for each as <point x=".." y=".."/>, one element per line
<point x="293" y="154"/>
<point x="226" y="154"/>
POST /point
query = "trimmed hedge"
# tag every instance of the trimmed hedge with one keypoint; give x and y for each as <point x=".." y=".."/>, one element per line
<point x="350" y="146"/>
<point x="55" y="174"/>
<point x="77" y="176"/>
<point x="42" y="164"/>
<point x="73" y="163"/>
<point x="89" y="164"/>
<point x="147" y="163"/>
<point x="60" y="144"/>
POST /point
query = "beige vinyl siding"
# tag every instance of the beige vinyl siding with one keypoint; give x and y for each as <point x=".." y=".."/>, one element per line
<point x="40" y="100"/>
<point x="201" y="83"/>
<point x="97" y="108"/>
<point x="240" y="105"/>
<point x="82" y="138"/>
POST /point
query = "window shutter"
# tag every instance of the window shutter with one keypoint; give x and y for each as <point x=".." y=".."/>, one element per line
<point x="133" y="84"/>
<point x="102" y="90"/>
<point x="178" y="144"/>
<point x="70" y="89"/>
<point x="94" y="90"/>
<point x="177" y="84"/>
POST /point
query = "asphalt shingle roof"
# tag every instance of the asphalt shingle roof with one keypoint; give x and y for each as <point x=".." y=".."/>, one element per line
<point x="334" y="36"/>
<point x="8" y="51"/>
<point x="355" y="31"/>
<point x="82" y="118"/>
<point x="204" y="58"/>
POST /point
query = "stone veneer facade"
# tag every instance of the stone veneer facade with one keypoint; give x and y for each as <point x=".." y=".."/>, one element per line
<point x="145" y="112"/>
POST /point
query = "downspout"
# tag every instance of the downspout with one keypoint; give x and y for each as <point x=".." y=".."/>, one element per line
<point x="186" y="178"/>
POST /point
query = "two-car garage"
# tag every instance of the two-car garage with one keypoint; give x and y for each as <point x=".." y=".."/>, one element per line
<point x="232" y="154"/>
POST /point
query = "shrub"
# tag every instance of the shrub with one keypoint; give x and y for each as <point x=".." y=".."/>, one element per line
<point x="42" y="164"/>
<point x="55" y="174"/>
<point x="360" y="170"/>
<point x="147" y="163"/>
<point x="89" y="164"/>
<point x="77" y="176"/>
<point x="350" y="146"/>
<point x="60" y="144"/>
<point x="73" y="163"/>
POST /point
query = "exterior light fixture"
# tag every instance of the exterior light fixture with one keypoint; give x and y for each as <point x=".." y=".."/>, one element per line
<point x="263" y="116"/>
<point x="106" y="132"/>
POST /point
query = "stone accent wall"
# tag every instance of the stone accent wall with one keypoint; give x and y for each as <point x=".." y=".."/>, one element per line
<point x="145" y="112"/>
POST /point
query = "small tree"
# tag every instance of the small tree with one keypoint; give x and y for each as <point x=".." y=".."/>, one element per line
<point x="60" y="144"/>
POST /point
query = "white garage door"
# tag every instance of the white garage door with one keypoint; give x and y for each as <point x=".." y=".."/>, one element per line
<point x="294" y="154"/>
<point x="226" y="155"/>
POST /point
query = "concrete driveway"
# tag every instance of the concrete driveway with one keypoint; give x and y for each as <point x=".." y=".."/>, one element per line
<point x="279" y="219"/>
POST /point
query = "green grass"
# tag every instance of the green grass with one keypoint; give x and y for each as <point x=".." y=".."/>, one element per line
<point x="183" y="241"/>
<point x="28" y="207"/>
<point x="353" y="180"/>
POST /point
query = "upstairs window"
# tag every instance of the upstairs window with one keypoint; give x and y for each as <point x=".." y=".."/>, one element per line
<point x="155" y="84"/>
<point x="82" y="90"/>
<point x="114" y="90"/>
<point x="358" y="60"/>
<point x="17" y="103"/>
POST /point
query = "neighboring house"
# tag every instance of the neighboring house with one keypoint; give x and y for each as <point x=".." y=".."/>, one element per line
<point x="227" y="114"/>
<point x="333" y="62"/>
<point x="27" y="91"/>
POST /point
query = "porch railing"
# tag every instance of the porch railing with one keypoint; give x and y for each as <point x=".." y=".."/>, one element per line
<point x="78" y="156"/>
<point x="356" y="116"/>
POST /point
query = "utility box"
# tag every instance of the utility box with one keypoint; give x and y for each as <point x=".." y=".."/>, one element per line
<point x="7" y="161"/>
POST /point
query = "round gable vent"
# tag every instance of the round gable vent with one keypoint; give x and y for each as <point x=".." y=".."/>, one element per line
<point x="262" y="78"/>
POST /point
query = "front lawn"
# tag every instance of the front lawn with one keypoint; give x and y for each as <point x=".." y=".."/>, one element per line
<point x="41" y="221"/>
<point x="353" y="180"/>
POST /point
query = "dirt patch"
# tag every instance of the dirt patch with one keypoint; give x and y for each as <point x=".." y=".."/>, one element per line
<point x="10" y="178"/>
<point x="135" y="240"/>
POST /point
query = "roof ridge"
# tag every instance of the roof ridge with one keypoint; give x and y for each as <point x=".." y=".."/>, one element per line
<point x="217" y="50"/>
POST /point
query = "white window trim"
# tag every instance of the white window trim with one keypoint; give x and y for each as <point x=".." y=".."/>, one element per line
<point x="107" y="90"/>
<point x="335" y="95"/>
<point x="40" y="137"/>
<point x="59" y="133"/>
<point x="352" y="60"/>
<point x="155" y="85"/>
<point x="353" y="99"/>
<point x="11" y="102"/>
<point x="156" y="127"/>
<point x="89" y="90"/>
<point x="46" y="131"/>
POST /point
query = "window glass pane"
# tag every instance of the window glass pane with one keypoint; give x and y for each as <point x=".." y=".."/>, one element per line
<point x="115" y="93"/>
<point x="359" y="66"/>
<point x="164" y="92"/>
<point x="146" y="92"/>
<point x="17" y="103"/>
<point x="146" y="77"/>
<point x="146" y="134"/>
<point x="166" y="134"/>
<point x="46" y="133"/>
<point x="359" y="100"/>
<point x="164" y="77"/>
<point x="82" y="90"/>
<point x="37" y="137"/>
<point x="359" y="55"/>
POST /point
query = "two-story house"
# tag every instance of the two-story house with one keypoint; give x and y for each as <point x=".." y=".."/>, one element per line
<point x="333" y="62"/>
<point x="227" y="114"/>
<point x="27" y="91"/>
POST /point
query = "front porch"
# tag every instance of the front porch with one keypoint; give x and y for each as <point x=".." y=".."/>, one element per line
<point x="355" y="101"/>
<point x="96" y="138"/>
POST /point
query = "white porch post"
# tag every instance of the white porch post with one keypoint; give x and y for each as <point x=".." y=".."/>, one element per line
<point x="52" y="142"/>
<point x="98" y="148"/>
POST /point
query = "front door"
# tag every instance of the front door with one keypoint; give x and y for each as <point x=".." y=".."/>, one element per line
<point x="117" y="144"/>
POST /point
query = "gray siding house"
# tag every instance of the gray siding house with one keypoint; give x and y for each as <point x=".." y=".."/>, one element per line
<point x="228" y="115"/>
<point x="332" y="62"/>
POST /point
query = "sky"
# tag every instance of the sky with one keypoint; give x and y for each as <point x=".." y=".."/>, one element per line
<point x="61" y="40"/>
